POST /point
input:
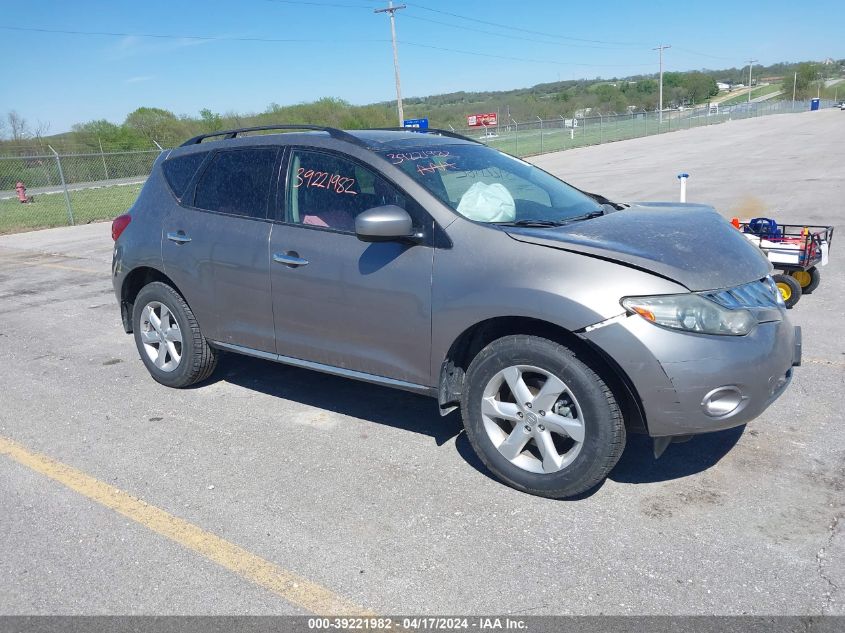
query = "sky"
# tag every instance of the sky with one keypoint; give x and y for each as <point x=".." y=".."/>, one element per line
<point x="70" y="62"/>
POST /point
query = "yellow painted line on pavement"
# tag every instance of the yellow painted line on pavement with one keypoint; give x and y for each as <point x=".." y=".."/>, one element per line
<point x="293" y="588"/>
<point x="63" y="267"/>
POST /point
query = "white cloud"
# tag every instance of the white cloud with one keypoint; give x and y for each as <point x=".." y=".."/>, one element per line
<point x="135" y="45"/>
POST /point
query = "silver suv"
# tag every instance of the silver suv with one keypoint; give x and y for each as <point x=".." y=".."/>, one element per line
<point x="557" y="320"/>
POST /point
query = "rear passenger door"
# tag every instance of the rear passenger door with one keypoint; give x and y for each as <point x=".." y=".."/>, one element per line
<point x="215" y="245"/>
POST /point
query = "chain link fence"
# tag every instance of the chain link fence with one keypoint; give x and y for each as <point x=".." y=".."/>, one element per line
<point x="527" y="138"/>
<point x="62" y="189"/>
<point x="78" y="188"/>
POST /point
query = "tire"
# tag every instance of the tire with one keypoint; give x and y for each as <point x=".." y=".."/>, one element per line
<point x="789" y="289"/>
<point x="552" y="463"/>
<point x="180" y="363"/>
<point x="808" y="279"/>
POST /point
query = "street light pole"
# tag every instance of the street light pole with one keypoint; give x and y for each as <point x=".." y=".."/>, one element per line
<point x="392" y="11"/>
<point x="660" y="105"/>
<point x="750" y="65"/>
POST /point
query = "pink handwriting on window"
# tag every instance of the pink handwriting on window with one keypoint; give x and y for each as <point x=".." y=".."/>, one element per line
<point x="398" y="159"/>
<point x="324" y="180"/>
<point x="433" y="167"/>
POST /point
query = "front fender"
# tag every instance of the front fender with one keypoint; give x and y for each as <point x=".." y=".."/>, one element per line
<point x="488" y="275"/>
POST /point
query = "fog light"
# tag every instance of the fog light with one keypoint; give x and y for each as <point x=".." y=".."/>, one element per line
<point x="722" y="401"/>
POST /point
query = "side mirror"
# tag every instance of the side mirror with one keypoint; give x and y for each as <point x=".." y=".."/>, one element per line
<point x="384" y="224"/>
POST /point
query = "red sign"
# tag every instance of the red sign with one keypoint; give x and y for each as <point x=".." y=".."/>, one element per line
<point x="477" y="120"/>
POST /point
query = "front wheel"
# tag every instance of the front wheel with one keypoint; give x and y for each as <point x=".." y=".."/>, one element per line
<point x="168" y="337"/>
<point x="541" y="419"/>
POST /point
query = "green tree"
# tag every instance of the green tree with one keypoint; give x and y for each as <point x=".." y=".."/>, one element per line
<point x="113" y="137"/>
<point x="699" y="87"/>
<point x="210" y="121"/>
<point x="804" y="78"/>
<point x="155" y="124"/>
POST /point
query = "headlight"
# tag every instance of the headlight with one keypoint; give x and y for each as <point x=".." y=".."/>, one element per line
<point x="775" y="291"/>
<point x="691" y="313"/>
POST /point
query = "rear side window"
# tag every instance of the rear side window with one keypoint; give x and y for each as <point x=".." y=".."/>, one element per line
<point x="237" y="182"/>
<point x="179" y="170"/>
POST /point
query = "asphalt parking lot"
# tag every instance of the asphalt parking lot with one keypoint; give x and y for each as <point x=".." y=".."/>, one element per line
<point x="281" y="483"/>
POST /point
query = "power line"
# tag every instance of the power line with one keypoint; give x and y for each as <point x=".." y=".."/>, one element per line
<point x="215" y="38"/>
<point x="605" y="45"/>
<point x="533" y="40"/>
<point x="310" y="40"/>
<point x="334" y="5"/>
<point x="691" y="52"/>
<point x="522" y="59"/>
<point x="515" y="28"/>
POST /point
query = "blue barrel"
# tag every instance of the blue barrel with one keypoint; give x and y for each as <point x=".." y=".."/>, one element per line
<point x="814" y="104"/>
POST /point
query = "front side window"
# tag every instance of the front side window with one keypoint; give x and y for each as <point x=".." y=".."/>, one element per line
<point x="237" y="182"/>
<point x="485" y="185"/>
<point x="329" y="191"/>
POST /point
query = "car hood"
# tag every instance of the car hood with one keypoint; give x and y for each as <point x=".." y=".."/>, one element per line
<point x="687" y="243"/>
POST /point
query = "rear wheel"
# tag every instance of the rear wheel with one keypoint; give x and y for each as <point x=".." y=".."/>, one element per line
<point x="808" y="279"/>
<point x="542" y="420"/>
<point x="789" y="289"/>
<point x="168" y="337"/>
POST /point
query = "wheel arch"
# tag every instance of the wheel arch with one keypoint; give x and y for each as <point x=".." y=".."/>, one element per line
<point x="474" y="338"/>
<point x="131" y="286"/>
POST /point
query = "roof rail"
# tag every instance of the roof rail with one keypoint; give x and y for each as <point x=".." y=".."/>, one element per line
<point x="430" y="130"/>
<point x="227" y="134"/>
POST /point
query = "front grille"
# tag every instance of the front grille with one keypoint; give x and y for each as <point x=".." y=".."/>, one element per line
<point x="758" y="294"/>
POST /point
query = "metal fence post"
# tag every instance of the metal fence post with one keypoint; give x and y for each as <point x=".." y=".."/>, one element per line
<point x="64" y="185"/>
<point x="103" y="156"/>
<point x="541" y="134"/>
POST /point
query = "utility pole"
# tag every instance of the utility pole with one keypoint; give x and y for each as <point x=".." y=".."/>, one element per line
<point x="794" y="85"/>
<point x="750" y="65"/>
<point x="392" y="11"/>
<point x="660" y="105"/>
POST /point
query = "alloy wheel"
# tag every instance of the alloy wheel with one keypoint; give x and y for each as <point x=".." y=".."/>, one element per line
<point x="533" y="419"/>
<point x="161" y="336"/>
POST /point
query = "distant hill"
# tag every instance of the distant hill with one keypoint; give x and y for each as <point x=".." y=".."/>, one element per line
<point x="147" y="125"/>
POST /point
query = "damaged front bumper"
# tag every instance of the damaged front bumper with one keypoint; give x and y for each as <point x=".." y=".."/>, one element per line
<point x="697" y="383"/>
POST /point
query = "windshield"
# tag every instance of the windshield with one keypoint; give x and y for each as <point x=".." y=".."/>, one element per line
<point x="485" y="185"/>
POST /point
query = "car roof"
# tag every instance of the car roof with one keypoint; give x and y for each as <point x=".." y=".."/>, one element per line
<point x="396" y="139"/>
<point x="373" y="139"/>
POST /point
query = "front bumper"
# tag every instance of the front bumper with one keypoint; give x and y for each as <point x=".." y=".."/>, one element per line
<point x="677" y="374"/>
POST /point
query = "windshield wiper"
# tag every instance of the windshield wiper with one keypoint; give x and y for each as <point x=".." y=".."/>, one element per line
<point x="587" y="216"/>
<point x="532" y="222"/>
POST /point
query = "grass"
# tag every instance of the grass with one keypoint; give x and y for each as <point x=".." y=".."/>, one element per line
<point x="49" y="210"/>
<point x="760" y="91"/>
<point x="593" y="132"/>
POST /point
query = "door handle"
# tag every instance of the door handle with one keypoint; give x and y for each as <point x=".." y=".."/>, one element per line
<point x="179" y="237"/>
<point x="290" y="259"/>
